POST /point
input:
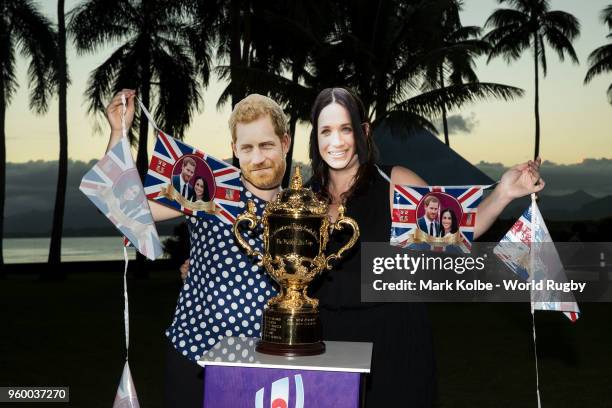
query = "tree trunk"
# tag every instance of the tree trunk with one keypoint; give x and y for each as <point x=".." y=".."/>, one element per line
<point x="247" y="34"/>
<point x="2" y="171"/>
<point x="142" y="157"/>
<point x="235" y="54"/>
<point x="537" y="100"/>
<point x="381" y="101"/>
<point x="292" y="125"/>
<point x="62" y="173"/>
<point x="444" y="120"/>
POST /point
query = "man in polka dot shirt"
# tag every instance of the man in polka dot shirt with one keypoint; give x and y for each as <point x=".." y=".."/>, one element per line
<point x="224" y="292"/>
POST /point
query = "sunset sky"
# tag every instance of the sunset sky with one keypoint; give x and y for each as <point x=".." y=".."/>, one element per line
<point x="576" y="119"/>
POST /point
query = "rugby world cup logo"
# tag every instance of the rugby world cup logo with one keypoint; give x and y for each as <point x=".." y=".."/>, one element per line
<point x="279" y="394"/>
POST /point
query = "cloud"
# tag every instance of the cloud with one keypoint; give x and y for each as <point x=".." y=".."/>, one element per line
<point x="458" y="124"/>
<point x="591" y="175"/>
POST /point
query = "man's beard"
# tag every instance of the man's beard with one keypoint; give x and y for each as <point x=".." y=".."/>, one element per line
<point x="270" y="179"/>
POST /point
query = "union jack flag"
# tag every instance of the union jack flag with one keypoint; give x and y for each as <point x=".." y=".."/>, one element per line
<point x="404" y="221"/>
<point x="114" y="186"/>
<point x="528" y="250"/>
<point x="167" y="152"/>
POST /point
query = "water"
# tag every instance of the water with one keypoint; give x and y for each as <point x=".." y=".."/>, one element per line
<point x="25" y="250"/>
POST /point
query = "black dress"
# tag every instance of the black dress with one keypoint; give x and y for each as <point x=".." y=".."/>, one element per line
<point x="403" y="366"/>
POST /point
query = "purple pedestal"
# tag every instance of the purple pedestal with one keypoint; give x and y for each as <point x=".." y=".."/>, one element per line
<point x="239" y="387"/>
<point x="237" y="376"/>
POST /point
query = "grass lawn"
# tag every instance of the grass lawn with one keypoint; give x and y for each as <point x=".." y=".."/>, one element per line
<point x="71" y="334"/>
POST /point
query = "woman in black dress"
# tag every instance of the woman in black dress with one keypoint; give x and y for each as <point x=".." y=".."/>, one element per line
<point x="343" y="159"/>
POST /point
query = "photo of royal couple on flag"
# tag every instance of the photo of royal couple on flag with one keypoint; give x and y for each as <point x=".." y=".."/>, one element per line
<point x="437" y="222"/>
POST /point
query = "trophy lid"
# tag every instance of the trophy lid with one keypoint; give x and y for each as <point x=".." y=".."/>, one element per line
<point x="297" y="201"/>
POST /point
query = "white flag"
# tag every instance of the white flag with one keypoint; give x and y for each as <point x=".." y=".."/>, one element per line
<point x="528" y="250"/>
<point x="126" y="393"/>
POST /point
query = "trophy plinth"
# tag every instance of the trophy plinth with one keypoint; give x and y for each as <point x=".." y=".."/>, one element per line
<point x="296" y="232"/>
<point x="288" y="334"/>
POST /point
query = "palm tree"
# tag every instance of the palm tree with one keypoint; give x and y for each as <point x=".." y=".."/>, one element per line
<point x="453" y="60"/>
<point x="243" y="39"/>
<point x="385" y="51"/>
<point x="23" y="29"/>
<point x="527" y="25"/>
<point x="55" y="248"/>
<point x="380" y="49"/>
<point x="600" y="60"/>
<point x="153" y="57"/>
<point x="277" y="64"/>
<point x="308" y="23"/>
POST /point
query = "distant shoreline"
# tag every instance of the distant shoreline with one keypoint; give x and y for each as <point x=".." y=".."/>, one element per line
<point x="98" y="233"/>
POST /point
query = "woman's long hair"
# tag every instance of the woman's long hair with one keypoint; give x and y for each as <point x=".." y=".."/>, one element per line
<point x="204" y="186"/>
<point x="454" y="221"/>
<point x="364" y="145"/>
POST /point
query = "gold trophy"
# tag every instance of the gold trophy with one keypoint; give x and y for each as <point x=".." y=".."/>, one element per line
<point x="296" y="232"/>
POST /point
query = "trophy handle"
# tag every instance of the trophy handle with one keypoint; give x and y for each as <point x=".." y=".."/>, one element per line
<point x="339" y="224"/>
<point x="251" y="217"/>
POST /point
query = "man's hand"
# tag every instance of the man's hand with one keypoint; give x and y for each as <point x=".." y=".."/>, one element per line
<point x="113" y="114"/>
<point x="184" y="269"/>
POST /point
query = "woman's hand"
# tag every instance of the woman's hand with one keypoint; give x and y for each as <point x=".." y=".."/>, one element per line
<point x="184" y="270"/>
<point x="521" y="180"/>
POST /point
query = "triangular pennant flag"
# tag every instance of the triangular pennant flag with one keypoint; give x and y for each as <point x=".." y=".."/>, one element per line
<point x="528" y="250"/>
<point x="126" y="393"/>
<point x="114" y="186"/>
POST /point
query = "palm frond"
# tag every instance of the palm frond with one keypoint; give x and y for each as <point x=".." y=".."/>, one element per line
<point x="37" y="41"/>
<point x="100" y="88"/>
<point x="464" y="33"/>
<point x="283" y="90"/>
<point x="178" y="93"/>
<point x="606" y="16"/>
<point x="529" y="6"/>
<point x="560" y="43"/>
<point x="7" y="67"/>
<point x="600" y="61"/>
<point x="567" y="25"/>
<point x="509" y="42"/>
<point x="95" y="23"/>
<point x="202" y="47"/>
<point x="430" y="104"/>
<point x="506" y="17"/>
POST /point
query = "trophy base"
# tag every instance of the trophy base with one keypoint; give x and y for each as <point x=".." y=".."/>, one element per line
<point x="291" y="333"/>
<point x="288" y="350"/>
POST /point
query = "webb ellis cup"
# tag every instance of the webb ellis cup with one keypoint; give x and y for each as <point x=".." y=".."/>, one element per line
<point x="295" y="232"/>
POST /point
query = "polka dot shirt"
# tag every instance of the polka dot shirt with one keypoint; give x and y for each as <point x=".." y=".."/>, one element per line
<point x="225" y="291"/>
